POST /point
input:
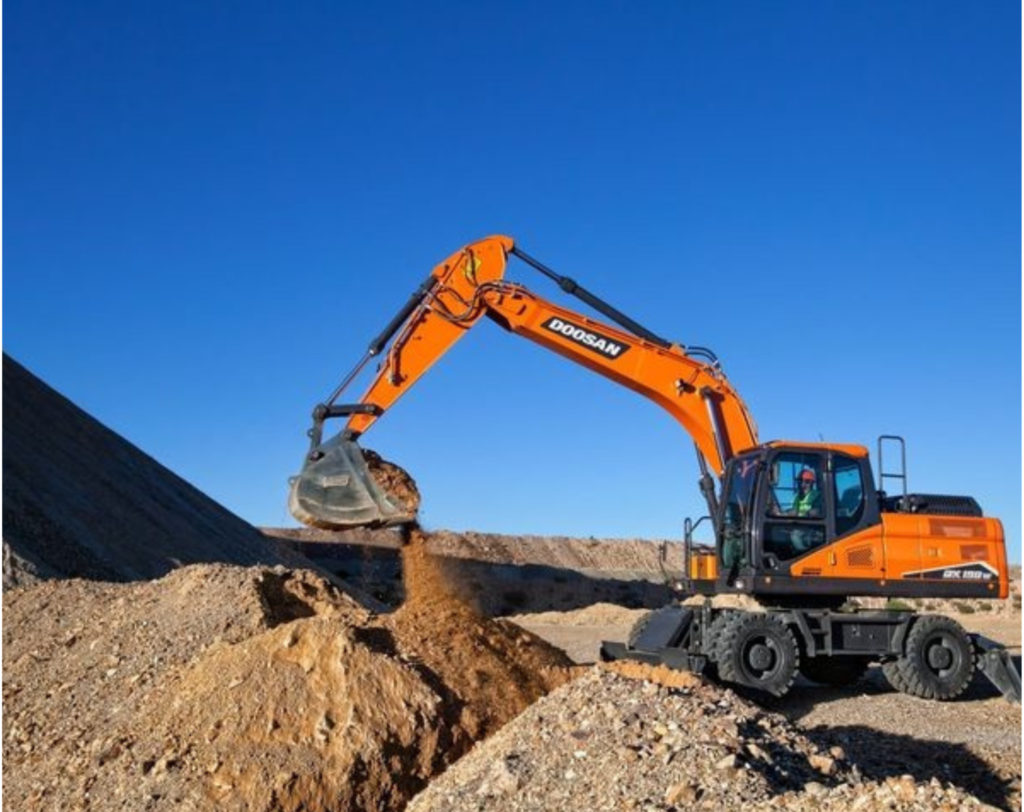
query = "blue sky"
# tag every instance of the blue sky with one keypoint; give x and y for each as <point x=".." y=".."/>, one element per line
<point x="212" y="208"/>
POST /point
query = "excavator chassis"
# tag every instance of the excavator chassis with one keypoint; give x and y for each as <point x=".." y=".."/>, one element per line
<point x="764" y="651"/>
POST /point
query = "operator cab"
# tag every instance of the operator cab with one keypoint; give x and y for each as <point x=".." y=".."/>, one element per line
<point x="780" y="503"/>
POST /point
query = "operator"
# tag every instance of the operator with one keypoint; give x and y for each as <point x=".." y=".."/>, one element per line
<point x="807" y="502"/>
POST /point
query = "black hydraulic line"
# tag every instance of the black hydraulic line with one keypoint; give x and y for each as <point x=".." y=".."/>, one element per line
<point x="414" y="301"/>
<point x="702" y="352"/>
<point x="573" y="288"/>
<point x="386" y="335"/>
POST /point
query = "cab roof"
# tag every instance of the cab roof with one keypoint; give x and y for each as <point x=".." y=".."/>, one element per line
<point x="850" y="449"/>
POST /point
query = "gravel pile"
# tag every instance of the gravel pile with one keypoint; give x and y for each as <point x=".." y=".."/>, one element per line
<point x="605" y="742"/>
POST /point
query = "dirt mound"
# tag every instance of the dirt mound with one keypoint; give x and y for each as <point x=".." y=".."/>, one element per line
<point x="258" y="689"/>
<point x="605" y="742"/>
<point x="81" y="501"/>
<point x="307" y="716"/>
<point x="88" y="665"/>
<point x="641" y="556"/>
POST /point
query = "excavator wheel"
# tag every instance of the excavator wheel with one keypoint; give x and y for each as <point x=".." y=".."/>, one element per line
<point x="757" y="650"/>
<point x="837" y="671"/>
<point x="938" y="660"/>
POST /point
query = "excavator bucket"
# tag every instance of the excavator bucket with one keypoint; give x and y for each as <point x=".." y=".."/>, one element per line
<point x="342" y="486"/>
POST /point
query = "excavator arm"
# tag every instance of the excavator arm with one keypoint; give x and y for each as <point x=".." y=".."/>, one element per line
<point x="339" y="487"/>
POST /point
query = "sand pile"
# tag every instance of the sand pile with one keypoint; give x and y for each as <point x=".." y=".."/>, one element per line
<point x="609" y="742"/>
<point x="257" y="689"/>
<point x="598" y="614"/>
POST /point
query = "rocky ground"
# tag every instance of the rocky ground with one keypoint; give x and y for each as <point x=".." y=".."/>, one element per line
<point x="974" y="743"/>
<point x="254" y="688"/>
<point x="611" y="742"/>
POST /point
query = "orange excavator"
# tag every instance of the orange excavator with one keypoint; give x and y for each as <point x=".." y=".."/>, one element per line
<point x="798" y="526"/>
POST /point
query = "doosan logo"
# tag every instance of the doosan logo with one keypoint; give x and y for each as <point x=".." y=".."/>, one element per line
<point x="608" y="347"/>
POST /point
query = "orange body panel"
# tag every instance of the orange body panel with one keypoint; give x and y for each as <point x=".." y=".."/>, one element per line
<point x="470" y="287"/>
<point x="913" y="546"/>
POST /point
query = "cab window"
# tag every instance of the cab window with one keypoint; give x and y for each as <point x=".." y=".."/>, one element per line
<point x="795" y="522"/>
<point x="849" y="494"/>
<point x="795" y="486"/>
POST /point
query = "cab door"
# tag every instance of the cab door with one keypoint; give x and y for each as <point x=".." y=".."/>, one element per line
<point x="858" y="551"/>
<point x="737" y="517"/>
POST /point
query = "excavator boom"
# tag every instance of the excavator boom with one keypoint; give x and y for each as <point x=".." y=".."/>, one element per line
<point x="337" y="488"/>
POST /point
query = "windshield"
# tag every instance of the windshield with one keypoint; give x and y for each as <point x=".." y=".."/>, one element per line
<point x="736" y="510"/>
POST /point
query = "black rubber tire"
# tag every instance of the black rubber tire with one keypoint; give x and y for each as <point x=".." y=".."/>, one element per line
<point x="893" y="675"/>
<point x="713" y="640"/>
<point x="758" y="651"/>
<point x="938" y="659"/>
<point x="715" y="632"/>
<point x="837" y="671"/>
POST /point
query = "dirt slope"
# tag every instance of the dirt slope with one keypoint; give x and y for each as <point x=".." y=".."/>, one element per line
<point x="81" y="501"/>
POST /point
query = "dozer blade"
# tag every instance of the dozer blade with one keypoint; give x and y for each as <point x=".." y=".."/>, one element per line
<point x="341" y="486"/>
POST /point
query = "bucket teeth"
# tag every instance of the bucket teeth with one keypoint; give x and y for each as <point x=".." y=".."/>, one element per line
<point x="336" y="490"/>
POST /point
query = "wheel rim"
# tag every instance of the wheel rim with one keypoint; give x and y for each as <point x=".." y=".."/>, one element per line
<point x="942" y="655"/>
<point x="762" y="659"/>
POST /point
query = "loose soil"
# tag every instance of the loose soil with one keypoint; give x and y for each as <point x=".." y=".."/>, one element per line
<point x="395" y="481"/>
<point x="224" y="687"/>
<point x="492" y="670"/>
